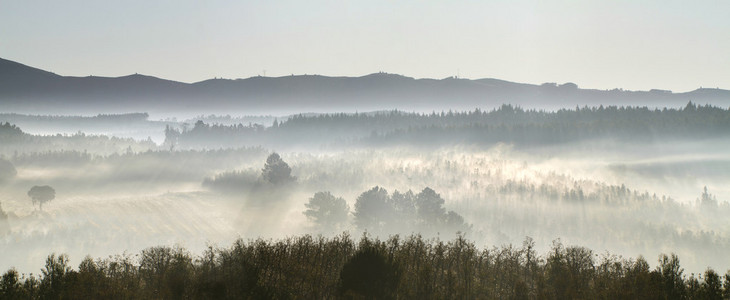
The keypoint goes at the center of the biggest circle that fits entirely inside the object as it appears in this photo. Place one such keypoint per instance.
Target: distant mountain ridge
(30, 90)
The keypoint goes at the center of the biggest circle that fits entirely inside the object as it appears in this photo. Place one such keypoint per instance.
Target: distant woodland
(506, 124)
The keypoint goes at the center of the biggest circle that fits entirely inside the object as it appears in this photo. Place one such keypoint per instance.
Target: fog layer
(627, 191)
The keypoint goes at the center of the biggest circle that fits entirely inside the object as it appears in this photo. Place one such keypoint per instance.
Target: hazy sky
(638, 45)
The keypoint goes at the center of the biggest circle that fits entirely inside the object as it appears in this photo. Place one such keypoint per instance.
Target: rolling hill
(25, 89)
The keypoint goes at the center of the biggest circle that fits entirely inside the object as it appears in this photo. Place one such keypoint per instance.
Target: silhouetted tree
(41, 194)
(641, 283)
(91, 281)
(429, 205)
(403, 205)
(694, 287)
(672, 274)
(54, 279)
(455, 222)
(276, 171)
(166, 268)
(369, 275)
(371, 209)
(580, 264)
(712, 286)
(432, 215)
(726, 290)
(10, 285)
(558, 274)
(327, 211)
(10, 132)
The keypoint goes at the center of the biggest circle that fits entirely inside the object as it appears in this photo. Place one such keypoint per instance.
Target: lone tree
(276, 171)
(327, 211)
(41, 194)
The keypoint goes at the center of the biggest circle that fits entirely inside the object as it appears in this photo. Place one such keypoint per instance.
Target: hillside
(27, 89)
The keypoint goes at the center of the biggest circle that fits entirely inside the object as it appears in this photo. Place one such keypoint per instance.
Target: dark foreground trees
(309, 267)
(369, 274)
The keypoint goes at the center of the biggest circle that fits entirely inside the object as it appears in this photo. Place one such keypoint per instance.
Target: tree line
(507, 124)
(16, 141)
(340, 267)
(91, 120)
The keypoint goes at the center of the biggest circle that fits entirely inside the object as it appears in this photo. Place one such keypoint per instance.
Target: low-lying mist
(604, 195)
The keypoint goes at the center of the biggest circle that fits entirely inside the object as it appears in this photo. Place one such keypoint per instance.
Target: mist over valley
(110, 171)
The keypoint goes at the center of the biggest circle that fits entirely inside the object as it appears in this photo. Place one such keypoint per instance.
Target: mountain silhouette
(28, 89)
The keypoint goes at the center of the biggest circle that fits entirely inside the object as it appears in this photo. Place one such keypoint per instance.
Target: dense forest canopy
(506, 124)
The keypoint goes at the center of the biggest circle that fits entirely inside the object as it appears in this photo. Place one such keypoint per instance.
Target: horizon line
(453, 77)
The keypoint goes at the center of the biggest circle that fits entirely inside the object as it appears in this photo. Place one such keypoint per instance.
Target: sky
(635, 45)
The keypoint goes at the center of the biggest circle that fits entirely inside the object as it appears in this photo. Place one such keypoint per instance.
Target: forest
(506, 124)
(603, 201)
(408, 267)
